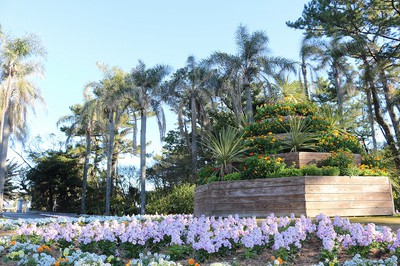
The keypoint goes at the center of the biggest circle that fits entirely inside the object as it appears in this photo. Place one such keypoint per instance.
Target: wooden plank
(253, 198)
(255, 183)
(259, 206)
(261, 191)
(351, 212)
(362, 180)
(348, 204)
(260, 214)
(349, 196)
(328, 189)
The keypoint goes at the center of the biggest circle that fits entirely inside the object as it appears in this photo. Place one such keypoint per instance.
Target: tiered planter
(304, 158)
(309, 195)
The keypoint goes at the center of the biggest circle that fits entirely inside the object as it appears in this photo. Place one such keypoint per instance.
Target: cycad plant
(298, 137)
(226, 147)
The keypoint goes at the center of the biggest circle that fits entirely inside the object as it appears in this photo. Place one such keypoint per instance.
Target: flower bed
(187, 240)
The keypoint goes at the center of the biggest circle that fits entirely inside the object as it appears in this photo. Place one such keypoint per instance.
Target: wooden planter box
(308, 195)
(303, 158)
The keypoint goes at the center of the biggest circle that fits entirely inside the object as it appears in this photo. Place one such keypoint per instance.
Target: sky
(78, 33)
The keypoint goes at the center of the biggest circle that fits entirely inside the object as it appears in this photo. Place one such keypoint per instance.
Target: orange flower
(191, 261)
(128, 263)
(57, 263)
(272, 257)
(197, 264)
(280, 261)
(13, 243)
(40, 249)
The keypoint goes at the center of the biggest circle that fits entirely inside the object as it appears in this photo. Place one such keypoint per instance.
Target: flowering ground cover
(187, 240)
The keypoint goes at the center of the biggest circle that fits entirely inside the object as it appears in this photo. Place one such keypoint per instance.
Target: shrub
(262, 166)
(333, 141)
(311, 170)
(178, 200)
(182, 199)
(330, 170)
(284, 108)
(343, 160)
(367, 170)
(374, 161)
(233, 176)
(263, 144)
(290, 171)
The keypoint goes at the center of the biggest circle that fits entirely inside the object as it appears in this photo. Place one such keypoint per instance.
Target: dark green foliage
(55, 182)
(173, 167)
(178, 200)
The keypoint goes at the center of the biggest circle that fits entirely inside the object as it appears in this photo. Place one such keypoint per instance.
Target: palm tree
(147, 91)
(250, 64)
(251, 47)
(334, 56)
(191, 86)
(308, 51)
(82, 122)
(109, 93)
(18, 93)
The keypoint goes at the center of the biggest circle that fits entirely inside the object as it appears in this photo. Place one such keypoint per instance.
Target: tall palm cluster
(354, 71)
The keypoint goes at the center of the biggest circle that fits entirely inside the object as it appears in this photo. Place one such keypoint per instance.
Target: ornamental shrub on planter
(263, 144)
(284, 109)
(262, 166)
(335, 141)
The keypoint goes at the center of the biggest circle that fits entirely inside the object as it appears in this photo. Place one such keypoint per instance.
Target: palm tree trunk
(3, 155)
(134, 141)
(110, 150)
(304, 73)
(85, 170)
(339, 91)
(249, 106)
(194, 136)
(371, 121)
(143, 125)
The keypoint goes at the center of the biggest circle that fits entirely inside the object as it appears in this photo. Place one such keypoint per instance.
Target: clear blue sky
(78, 33)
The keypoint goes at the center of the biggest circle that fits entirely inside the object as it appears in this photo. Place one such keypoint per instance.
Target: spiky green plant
(335, 120)
(298, 137)
(226, 148)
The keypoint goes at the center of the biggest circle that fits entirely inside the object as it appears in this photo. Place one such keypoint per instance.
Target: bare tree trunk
(385, 127)
(194, 136)
(110, 150)
(143, 122)
(390, 105)
(85, 170)
(371, 121)
(3, 155)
